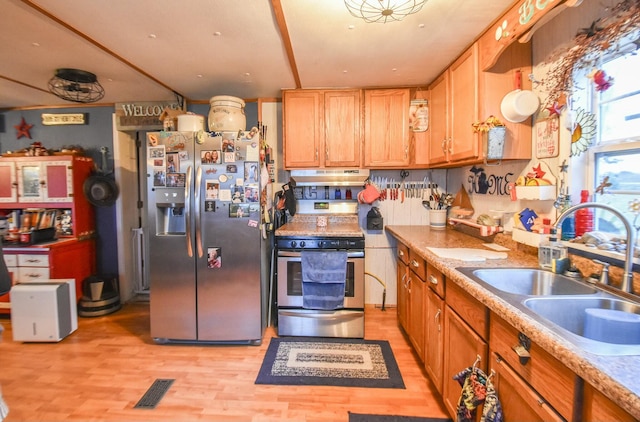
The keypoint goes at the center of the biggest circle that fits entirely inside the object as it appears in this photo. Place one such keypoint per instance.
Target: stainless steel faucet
(627, 279)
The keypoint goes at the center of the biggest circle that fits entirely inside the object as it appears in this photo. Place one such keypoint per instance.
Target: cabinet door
(416, 316)
(519, 401)
(464, 106)
(302, 120)
(386, 127)
(434, 337)
(461, 348)
(439, 120)
(342, 141)
(8, 183)
(58, 181)
(403, 298)
(45, 181)
(597, 407)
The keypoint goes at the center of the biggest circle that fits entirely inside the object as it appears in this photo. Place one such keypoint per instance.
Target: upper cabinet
(386, 127)
(464, 94)
(322, 128)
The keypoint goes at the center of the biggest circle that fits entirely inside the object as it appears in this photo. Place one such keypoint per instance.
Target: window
(615, 158)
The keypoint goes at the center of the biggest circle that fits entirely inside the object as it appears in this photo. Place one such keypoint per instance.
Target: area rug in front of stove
(330, 361)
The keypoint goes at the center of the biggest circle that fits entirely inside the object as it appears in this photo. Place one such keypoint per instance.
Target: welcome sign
(142, 115)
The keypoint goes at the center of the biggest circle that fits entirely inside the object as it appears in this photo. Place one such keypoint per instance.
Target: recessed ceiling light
(35, 44)
(351, 27)
(394, 69)
(421, 26)
(345, 71)
(217, 34)
(152, 36)
(199, 76)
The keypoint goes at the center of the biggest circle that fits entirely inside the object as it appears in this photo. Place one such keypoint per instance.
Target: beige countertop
(307, 225)
(617, 377)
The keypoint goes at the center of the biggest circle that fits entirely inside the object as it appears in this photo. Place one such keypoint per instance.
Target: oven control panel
(284, 243)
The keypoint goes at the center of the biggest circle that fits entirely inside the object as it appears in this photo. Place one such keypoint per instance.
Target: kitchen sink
(528, 281)
(602, 325)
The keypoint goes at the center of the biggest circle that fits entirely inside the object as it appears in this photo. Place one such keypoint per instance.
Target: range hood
(329, 177)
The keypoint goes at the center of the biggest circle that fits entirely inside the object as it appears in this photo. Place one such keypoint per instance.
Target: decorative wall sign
(547, 135)
(64, 119)
(143, 115)
(482, 183)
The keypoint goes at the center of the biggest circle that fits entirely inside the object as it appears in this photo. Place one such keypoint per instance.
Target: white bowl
(518, 105)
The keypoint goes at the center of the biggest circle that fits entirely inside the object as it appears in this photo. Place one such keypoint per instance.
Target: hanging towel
(473, 393)
(323, 279)
(492, 410)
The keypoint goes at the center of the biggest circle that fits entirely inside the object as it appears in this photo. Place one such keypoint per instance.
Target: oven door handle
(331, 315)
(292, 254)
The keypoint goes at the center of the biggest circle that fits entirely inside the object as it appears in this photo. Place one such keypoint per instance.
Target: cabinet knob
(415, 264)
(400, 253)
(433, 279)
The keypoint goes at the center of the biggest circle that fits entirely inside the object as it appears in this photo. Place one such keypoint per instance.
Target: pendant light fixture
(76, 85)
(383, 11)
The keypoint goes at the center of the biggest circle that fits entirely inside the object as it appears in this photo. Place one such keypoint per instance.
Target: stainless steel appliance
(293, 318)
(204, 239)
(326, 219)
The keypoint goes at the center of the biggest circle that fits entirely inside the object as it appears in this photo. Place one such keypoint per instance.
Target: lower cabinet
(597, 407)
(65, 259)
(550, 384)
(434, 326)
(519, 401)
(411, 290)
(462, 344)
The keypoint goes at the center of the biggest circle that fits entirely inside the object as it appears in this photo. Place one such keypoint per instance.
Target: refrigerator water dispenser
(170, 219)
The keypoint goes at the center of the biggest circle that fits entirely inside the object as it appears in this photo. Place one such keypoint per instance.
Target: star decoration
(564, 167)
(555, 109)
(23, 129)
(605, 184)
(539, 172)
(592, 30)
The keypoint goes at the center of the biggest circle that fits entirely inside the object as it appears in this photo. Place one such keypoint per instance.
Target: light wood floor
(103, 369)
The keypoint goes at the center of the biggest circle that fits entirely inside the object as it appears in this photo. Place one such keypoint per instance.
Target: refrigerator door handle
(197, 211)
(187, 211)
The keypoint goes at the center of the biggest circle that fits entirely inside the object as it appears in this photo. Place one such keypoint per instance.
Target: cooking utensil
(99, 188)
(518, 105)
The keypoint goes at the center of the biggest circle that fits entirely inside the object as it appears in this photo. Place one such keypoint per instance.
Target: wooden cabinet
(462, 346)
(552, 382)
(48, 182)
(411, 295)
(597, 407)
(67, 258)
(417, 290)
(434, 326)
(454, 107)
(322, 128)
(519, 401)
(386, 128)
(463, 95)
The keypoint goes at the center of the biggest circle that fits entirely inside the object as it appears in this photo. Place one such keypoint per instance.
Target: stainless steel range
(322, 225)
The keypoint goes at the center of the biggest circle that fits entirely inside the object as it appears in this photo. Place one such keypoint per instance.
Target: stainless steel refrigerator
(204, 239)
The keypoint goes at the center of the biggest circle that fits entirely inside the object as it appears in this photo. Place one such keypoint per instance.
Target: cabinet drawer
(11, 260)
(33, 260)
(519, 401)
(435, 280)
(547, 375)
(418, 265)
(469, 309)
(31, 274)
(403, 252)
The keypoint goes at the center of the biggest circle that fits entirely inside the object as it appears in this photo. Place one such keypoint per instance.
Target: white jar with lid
(227, 114)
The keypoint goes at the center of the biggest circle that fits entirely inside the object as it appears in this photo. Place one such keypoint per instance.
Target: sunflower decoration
(584, 130)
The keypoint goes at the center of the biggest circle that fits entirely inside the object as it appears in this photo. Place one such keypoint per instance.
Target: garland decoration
(589, 44)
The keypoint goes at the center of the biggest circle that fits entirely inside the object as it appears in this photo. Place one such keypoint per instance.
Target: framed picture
(547, 137)
(173, 162)
(212, 189)
(175, 180)
(159, 178)
(210, 157)
(239, 211)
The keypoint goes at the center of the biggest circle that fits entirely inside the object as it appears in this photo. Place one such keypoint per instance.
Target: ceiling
(153, 50)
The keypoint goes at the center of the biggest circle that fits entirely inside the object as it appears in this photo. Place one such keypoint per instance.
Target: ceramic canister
(227, 114)
(190, 123)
